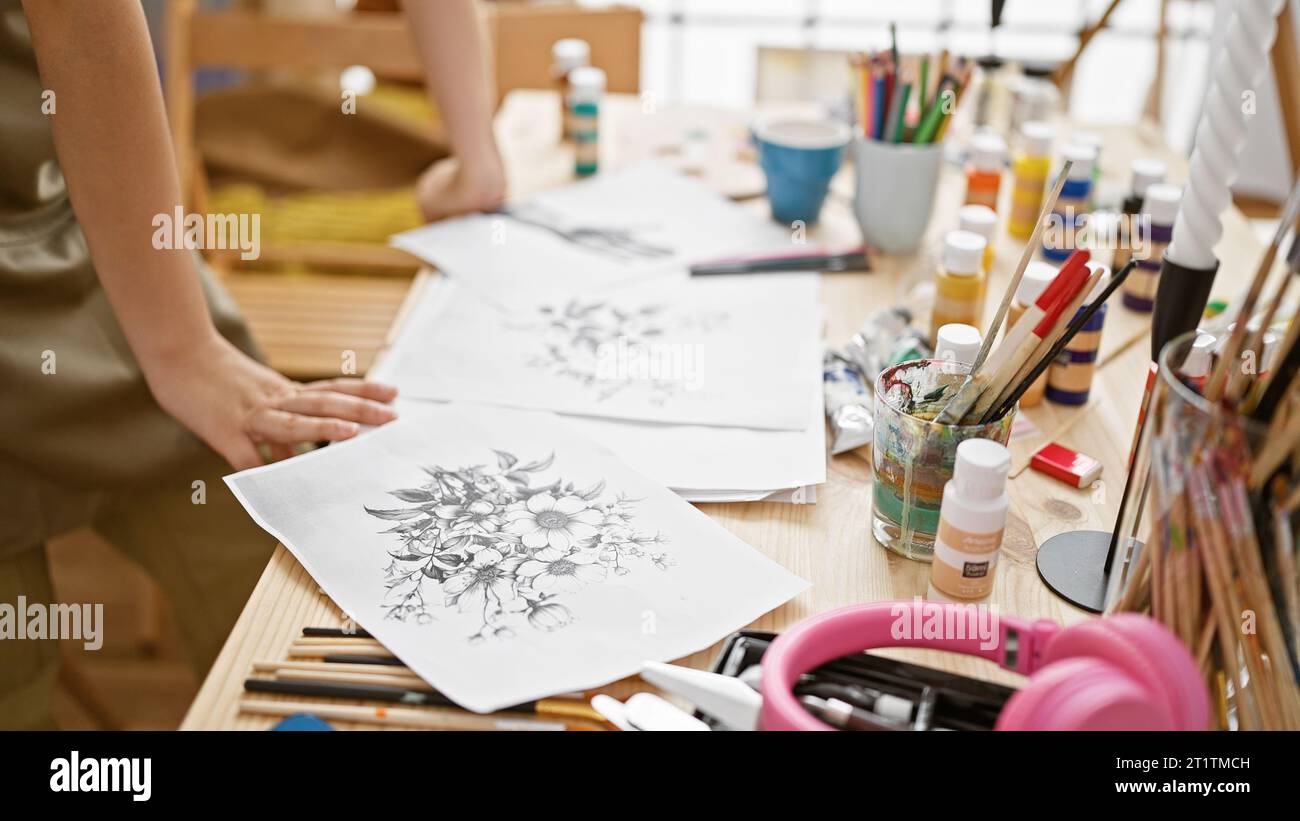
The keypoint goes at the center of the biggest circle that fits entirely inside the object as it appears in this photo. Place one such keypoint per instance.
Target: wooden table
(828, 543)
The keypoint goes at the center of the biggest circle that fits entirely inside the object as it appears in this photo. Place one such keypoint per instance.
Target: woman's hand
(449, 188)
(234, 403)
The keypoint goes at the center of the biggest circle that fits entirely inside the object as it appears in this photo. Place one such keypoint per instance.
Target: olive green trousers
(206, 556)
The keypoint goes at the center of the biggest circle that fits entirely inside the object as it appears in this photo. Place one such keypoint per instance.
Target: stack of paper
(709, 385)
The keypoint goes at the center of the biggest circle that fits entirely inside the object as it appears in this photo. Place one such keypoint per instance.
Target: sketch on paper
(619, 243)
(483, 534)
(487, 540)
(608, 348)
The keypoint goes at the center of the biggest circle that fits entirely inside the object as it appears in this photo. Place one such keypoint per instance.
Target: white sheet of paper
(520, 560)
(730, 464)
(704, 351)
(643, 221)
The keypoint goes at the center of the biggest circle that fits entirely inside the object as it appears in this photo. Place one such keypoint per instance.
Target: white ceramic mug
(895, 192)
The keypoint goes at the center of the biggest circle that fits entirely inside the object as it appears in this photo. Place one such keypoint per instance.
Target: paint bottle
(566, 55)
(1199, 360)
(1146, 173)
(586, 87)
(972, 517)
(988, 153)
(959, 283)
(1159, 210)
(1038, 275)
(1060, 238)
(980, 219)
(957, 343)
(1094, 141)
(1029, 172)
(1069, 379)
(1257, 362)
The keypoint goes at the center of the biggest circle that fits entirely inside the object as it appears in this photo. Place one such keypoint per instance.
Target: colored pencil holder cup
(799, 157)
(894, 198)
(913, 457)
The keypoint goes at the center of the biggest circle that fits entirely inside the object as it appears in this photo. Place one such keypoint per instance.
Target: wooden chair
(311, 325)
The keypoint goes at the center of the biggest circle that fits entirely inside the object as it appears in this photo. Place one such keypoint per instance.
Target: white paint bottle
(972, 517)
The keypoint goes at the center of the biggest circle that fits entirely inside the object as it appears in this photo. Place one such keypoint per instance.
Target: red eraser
(1069, 466)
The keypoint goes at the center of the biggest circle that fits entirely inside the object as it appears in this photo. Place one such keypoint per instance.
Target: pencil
(555, 708)
(902, 111)
(929, 124)
(884, 97)
(923, 86)
(352, 658)
(428, 718)
(358, 649)
(335, 632)
(893, 43)
(367, 668)
(350, 641)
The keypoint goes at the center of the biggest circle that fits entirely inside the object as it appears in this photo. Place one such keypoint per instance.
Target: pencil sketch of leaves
(498, 542)
(609, 349)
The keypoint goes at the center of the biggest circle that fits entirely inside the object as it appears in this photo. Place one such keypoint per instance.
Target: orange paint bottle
(988, 154)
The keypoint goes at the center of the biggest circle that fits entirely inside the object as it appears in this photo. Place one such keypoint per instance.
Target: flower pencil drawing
(609, 348)
(486, 540)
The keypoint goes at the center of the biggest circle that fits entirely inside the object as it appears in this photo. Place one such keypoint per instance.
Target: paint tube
(848, 404)
(878, 341)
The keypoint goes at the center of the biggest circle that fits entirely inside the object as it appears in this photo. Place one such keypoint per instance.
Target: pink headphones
(1122, 672)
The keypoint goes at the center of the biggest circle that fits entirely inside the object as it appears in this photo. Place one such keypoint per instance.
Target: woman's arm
(458, 71)
(116, 155)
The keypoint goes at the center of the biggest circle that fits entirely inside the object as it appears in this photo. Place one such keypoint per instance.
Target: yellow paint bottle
(1029, 171)
(959, 283)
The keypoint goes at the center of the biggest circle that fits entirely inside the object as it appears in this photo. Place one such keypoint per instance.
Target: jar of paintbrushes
(1206, 537)
(924, 409)
(913, 455)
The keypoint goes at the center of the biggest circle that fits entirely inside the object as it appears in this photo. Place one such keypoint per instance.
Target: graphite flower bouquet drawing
(483, 539)
(609, 348)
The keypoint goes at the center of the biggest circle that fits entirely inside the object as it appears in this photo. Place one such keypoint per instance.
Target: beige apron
(82, 441)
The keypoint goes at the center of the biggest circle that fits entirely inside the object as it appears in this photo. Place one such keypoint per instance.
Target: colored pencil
(335, 632)
(903, 94)
(428, 718)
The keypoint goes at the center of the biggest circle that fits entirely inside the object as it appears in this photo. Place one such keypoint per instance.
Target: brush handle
(1080, 319)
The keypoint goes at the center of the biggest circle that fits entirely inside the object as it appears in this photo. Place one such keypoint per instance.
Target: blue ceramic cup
(799, 157)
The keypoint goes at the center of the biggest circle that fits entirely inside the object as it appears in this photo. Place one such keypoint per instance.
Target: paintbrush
(1018, 347)
(967, 394)
(1021, 342)
(1042, 364)
(1215, 386)
(1052, 327)
(1265, 393)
